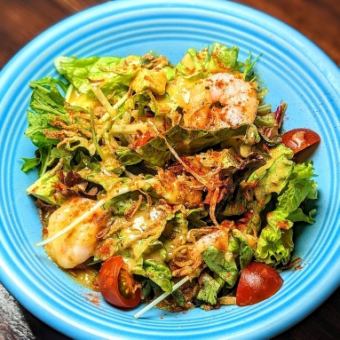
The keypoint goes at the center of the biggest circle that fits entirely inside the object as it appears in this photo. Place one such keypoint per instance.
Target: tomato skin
(300, 139)
(108, 281)
(258, 282)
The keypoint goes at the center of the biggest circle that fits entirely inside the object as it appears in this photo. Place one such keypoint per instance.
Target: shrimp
(78, 245)
(222, 100)
(218, 239)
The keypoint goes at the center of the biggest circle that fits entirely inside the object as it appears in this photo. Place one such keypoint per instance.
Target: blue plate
(292, 67)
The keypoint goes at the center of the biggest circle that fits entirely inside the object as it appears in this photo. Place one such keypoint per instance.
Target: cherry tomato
(300, 139)
(117, 285)
(258, 282)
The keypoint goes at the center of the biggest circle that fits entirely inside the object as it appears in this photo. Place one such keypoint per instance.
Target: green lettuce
(135, 235)
(152, 80)
(127, 156)
(185, 141)
(272, 177)
(196, 217)
(299, 215)
(120, 205)
(109, 73)
(158, 273)
(105, 179)
(248, 68)
(29, 164)
(175, 233)
(210, 288)
(222, 264)
(266, 120)
(45, 187)
(299, 188)
(274, 246)
(216, 58)
(46, 109)
(275, 243)
(239, 246)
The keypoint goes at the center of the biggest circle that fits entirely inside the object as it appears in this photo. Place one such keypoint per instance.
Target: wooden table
(21, 20)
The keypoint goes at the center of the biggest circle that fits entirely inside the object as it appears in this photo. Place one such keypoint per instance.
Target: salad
(167, 183)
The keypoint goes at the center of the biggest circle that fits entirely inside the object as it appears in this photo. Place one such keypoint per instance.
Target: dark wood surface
(21, 20)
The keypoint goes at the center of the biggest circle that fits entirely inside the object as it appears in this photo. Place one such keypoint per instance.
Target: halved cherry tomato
(300, 139)
(117, 284)
(258, 282)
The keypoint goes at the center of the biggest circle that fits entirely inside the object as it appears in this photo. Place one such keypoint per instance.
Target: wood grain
(22, 20)
(319, 20)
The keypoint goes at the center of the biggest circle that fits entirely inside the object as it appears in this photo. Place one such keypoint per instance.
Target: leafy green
(275, 242)
(222, 264)
(178, 297)
(158, 273)
(210, 288)
(156, 251)
(185, 141)
(239, 246)
(274, 245)
(44, 187)
(136, 235)
(120, 205)
(195, 217)
(216, 58)
(109, 73)
(175, 232)
(127, 156)
(46, 109)
(266, 120)
(299, 188)
(272, 177)
(152, 80)
(248, 68)
(47, 158)
(299, 216)
(29, 164)
(106, 180)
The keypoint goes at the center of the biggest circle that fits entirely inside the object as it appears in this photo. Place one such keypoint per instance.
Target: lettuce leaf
(185, 141)
(275, 243)
(299, 188)
(210, 288)
(222, 264)
(274, 246)
(175, 233)
(46, 108)
(248, 68)
(120, 205)
(158, 273)
(195, 217)
(153, 80)
(127, 156)
(29, 164)
(239, 246)
(109, 73)
(135, 235)
(215, 58)
(298, 215)
(105, 179)
(44, 187)
(267, 120)
(273, 176)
